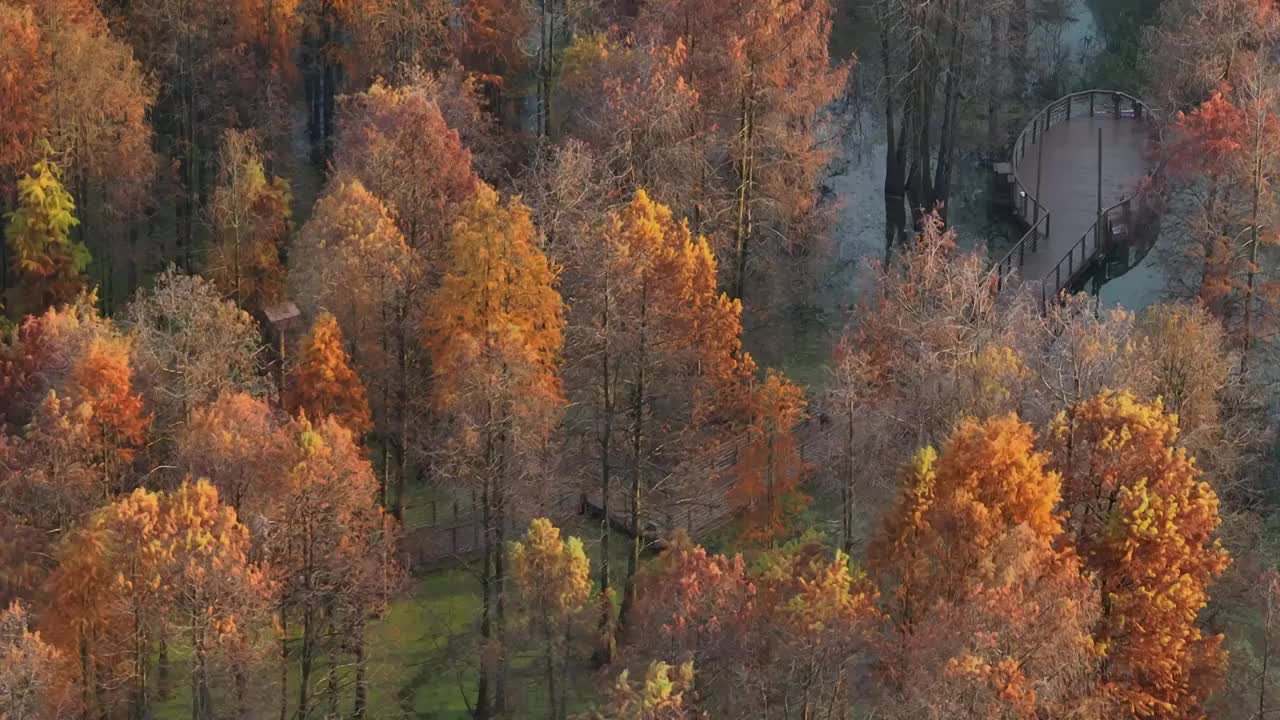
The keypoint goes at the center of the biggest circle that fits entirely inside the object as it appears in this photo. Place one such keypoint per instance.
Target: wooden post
(1039, 172)
(1097, 237)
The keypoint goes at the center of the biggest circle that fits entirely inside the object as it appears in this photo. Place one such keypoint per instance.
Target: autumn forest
(639, 359)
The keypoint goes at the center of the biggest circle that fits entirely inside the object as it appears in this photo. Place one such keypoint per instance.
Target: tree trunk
(331, 676)
(162, 667)
(483, 709)
(554, 713)
(847, 494)
(605, 651)
(362, 690)
(402, 416)
(499, 574)
(637, 467)
(284, 663)
(746, 179)
(895, 228)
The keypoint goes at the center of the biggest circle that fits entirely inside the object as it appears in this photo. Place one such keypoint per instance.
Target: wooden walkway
(1056, 179)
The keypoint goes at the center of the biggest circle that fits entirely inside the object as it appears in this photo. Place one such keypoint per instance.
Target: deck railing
(1027, 205)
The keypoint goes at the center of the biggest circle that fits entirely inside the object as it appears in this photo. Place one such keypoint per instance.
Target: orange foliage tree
(238, 442)
(770, 470)
(1229, 143)
(763, 65)
(147, 564)
(1144, 524)
(663, 351)
(24, 79)
(35, 678)
(988, 605)
(103, 380)
(322, 382)
(214, 593)
(351, 260)
(68, 385)
(495, 334)
(332, 555)
(491, 34)
(793, 630)
(396, 142)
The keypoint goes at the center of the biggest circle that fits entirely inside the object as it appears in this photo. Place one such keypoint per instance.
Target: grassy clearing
(422, 654)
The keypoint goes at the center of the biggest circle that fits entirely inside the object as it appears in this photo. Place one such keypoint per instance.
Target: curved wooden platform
(1056, 170)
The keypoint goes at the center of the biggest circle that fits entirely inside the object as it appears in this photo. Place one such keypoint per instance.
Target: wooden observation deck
(1078, 167)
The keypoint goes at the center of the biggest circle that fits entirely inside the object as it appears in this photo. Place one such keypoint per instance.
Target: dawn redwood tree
(659, 696)
(990, 607)
(351, 260)
(322, 382)
(928, 345)
(239, 443)
(102, 380)
(764, 66)
(1226, 155)
(553, 577)
(495, 335)
(24, 81)
(990, 474)
(35, 677)
(331, 553)
(662, 348)
(928, 69)
(48, 262)
(70, 400)
(195, 52)
(249, 213)
(770, 469)
(100, 107)
(389, 38)
(1145, 526)
(395, 141)
(633, 107)
(189, 346)
(815, 626)
(789, 634)
(492, 31)
(214, 592)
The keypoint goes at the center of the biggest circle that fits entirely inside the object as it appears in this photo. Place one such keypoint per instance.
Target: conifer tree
(495, 336)
(323, 382)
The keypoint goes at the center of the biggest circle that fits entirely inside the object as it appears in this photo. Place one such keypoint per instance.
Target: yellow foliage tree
(554, 579)
(495, 336)
(1144, 524)
(660, 697)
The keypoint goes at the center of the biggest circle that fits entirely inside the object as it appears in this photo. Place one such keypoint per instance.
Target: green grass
(422, 654)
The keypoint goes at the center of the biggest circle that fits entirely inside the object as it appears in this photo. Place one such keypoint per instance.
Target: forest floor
(423, 654)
